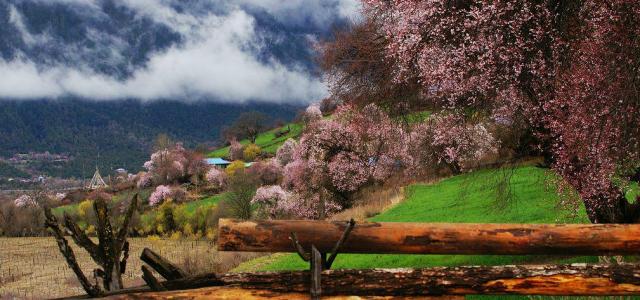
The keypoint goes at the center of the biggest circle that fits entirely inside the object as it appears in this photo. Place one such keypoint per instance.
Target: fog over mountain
(100, 78)
(225, 51)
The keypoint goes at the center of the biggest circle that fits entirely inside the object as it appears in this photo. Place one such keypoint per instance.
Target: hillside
(267, 141)
(113, 134)
(467, 198)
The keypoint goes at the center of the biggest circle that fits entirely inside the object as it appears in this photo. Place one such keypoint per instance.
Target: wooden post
(432, 238)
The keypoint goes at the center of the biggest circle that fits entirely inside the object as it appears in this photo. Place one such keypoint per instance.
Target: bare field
(33, 268)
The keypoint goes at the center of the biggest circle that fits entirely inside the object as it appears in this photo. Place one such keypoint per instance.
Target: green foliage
(242, 188)
(251, 151)
(466, 199)
(7, 170)
(267, 141)
(235, 167)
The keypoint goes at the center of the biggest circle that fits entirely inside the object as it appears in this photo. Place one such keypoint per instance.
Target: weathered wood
(576, 279)
(51, 222)
(164, 267)
(225, 293)
(432, 238)
(151, 280)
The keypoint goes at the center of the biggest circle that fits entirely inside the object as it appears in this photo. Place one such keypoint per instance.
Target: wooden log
(575, 279)
(164, 267)
(225, 293)
(151, 280)
(432, 238)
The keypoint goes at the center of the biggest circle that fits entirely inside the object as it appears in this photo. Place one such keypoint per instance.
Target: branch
(122, 234)
(81, 239)
(52, 223)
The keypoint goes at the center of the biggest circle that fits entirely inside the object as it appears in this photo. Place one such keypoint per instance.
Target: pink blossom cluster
(271, 200)
(312, 113)
(236, 150)
(145, 180)
(160, 194)
(173, 165)
(25, 201)
(216, 177)
(284, 154)
(339, 156)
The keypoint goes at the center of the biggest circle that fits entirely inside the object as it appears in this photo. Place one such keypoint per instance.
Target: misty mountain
(99, 79)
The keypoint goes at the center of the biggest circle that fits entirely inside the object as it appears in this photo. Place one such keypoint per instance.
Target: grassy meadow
(468, 198)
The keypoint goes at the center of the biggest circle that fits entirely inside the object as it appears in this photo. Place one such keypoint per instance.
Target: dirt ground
(33, 268)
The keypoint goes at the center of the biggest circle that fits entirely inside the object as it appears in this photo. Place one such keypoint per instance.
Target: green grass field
(469, 198)
(267, 141)
(190, 207)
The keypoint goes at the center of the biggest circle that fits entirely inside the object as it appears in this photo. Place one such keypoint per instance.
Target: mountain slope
(114, 134)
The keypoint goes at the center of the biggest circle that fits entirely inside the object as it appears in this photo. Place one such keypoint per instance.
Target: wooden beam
(151, 280)
(164, 267)
(575, 279)
(225, 293)
(432, 238)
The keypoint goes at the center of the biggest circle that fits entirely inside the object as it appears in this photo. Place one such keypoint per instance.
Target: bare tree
(250, 124)
(111, 252)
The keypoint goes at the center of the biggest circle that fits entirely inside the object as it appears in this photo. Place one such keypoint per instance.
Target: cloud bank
(217, 58)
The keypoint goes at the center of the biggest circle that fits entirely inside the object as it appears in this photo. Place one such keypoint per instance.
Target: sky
(218, 56)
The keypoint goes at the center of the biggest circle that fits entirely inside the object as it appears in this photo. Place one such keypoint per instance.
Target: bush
(268, 173)
(234, 167)
(251, 151)
(242, 188)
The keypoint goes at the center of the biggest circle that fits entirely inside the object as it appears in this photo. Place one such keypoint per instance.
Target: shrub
(251, 151)
(242, 188)
(234, 167)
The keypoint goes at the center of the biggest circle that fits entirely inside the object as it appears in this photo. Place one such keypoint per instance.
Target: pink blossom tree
(450, 141)
(216, 177)
(569, 69)
(236, 150)
(284, 154)
(312, 113)
(159, 195)
(25, 201)
(337, 157)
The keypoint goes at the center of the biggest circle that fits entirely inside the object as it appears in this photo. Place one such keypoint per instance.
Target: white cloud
(216, 59)
(212, 63)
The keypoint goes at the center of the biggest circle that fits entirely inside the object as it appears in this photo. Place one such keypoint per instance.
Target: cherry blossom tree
(450, 141)
(312, 113)
(284, 154)
(570, 69)
(216, 177)
(25, 201)
(161, 193)
(236, 150)
(337, 157)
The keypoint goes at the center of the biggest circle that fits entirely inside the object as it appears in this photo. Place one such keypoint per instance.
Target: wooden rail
(432, 238)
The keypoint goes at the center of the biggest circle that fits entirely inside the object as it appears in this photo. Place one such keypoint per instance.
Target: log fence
(318, 242)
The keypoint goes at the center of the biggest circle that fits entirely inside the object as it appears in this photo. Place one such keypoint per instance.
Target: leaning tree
(110, 253)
